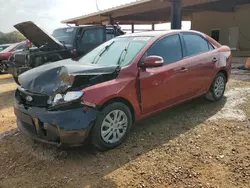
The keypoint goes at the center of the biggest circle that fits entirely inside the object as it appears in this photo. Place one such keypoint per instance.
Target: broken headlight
(68, 97)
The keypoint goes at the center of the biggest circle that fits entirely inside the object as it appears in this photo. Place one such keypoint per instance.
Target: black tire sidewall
(212, 86)
(97, 140)
(2, 70)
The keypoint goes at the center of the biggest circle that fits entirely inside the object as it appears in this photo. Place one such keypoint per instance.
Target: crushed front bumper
(69, 127)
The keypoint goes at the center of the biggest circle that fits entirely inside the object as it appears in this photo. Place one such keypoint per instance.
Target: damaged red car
(128, 78)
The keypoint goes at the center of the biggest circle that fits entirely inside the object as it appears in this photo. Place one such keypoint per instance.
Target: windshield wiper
(101, 53)
(120, 60)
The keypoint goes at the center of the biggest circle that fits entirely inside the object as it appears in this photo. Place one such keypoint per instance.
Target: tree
(11, 37)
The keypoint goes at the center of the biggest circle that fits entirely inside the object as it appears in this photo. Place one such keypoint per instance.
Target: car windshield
(9, 48)
(65, 35)
(2, 47)
(118, 51)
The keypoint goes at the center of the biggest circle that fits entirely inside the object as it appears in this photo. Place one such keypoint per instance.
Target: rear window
(65, 35)
(195, 44)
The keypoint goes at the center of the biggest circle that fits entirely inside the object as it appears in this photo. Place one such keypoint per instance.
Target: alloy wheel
(114, 126)
(219, 86)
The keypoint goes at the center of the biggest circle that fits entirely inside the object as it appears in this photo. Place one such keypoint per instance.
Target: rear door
(90, 39)
(202, 57)
(166, 85)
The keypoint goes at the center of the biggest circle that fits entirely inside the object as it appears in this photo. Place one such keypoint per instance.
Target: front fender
(118, 88)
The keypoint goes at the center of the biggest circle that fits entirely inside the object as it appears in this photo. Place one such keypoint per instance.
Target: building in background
(225, 20)
(229, 28)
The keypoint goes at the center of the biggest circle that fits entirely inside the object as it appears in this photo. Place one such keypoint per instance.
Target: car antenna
(68, 25)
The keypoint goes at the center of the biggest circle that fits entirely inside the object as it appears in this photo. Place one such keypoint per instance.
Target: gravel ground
(196, 144)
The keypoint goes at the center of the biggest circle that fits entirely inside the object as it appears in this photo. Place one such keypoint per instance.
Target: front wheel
(112, 126)
(217, 88)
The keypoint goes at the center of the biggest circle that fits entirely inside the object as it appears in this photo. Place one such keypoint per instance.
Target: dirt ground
(196, 144)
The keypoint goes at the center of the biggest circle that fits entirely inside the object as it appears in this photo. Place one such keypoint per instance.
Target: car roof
(159, 33)
(80, 26)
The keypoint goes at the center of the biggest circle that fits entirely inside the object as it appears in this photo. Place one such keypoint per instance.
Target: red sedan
(123, 80)
(7, 52)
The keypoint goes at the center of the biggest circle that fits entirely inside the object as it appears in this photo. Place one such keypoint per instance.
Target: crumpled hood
(53, 78)
(37, 36)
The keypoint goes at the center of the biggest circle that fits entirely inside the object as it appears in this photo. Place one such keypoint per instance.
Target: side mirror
(153, 61)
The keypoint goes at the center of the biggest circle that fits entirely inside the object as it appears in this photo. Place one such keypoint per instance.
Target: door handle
(183, 69)
(214, 60)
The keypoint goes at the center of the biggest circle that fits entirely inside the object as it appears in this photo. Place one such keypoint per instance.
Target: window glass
(195, 44)
(110, 34)
(169, 48)
(20, 47)
(210, 46)
(121, 50)
(93, 36)
(65, 35)
(2, 47)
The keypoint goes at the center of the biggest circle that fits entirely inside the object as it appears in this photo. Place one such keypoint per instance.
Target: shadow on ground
(88, 167)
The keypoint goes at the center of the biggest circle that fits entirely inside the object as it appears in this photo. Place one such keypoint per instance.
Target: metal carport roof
(153, 11)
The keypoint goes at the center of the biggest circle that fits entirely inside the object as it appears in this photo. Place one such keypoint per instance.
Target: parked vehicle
(7, 52)
(123, 80)
(69, 42)
(3, 46)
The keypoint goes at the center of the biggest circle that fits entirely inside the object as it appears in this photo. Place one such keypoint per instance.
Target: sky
(48, 14)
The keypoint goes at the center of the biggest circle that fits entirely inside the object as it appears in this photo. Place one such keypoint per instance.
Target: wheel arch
(121, 100)
(224, 72)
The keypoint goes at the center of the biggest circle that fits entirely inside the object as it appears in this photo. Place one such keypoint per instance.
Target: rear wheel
(112, 126)
(217, 88)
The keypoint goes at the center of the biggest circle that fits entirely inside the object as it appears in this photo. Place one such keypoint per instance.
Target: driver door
(166, 85)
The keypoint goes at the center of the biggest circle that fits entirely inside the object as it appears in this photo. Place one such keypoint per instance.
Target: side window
(210, 46)
(169, 48)
(93, 36)
(195, 44)
(21, 47)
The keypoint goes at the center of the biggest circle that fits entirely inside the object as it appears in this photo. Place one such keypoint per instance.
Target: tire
(217, 88)
(2, 68)
(104, 127)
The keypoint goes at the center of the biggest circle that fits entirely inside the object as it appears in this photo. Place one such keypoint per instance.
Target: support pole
(176, 15)
(111, 21)
(132, 28)
(153, 26)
